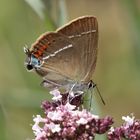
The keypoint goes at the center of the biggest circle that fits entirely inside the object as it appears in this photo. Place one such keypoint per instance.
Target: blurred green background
(118, 67)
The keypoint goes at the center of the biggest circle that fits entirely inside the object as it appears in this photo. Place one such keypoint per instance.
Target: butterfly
(67, 55)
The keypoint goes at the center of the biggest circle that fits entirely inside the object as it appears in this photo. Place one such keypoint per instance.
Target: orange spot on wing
(36, 55)
(40, 52)
(40, 48)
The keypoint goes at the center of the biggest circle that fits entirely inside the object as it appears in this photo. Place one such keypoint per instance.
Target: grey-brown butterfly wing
(72, 51)
(84, 33)
(59, 58)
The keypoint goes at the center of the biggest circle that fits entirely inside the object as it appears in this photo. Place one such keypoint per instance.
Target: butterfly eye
(29, 67)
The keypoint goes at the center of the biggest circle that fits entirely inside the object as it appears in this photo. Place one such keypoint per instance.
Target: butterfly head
(31, 61)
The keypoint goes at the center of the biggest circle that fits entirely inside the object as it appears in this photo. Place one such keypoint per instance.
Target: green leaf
(62, 13)
(38, 7)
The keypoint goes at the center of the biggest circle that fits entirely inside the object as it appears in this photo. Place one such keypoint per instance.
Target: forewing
(71, 51)
(59, 57)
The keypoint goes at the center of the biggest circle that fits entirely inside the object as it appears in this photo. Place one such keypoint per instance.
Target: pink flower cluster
(64, 120)
(130, 130)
